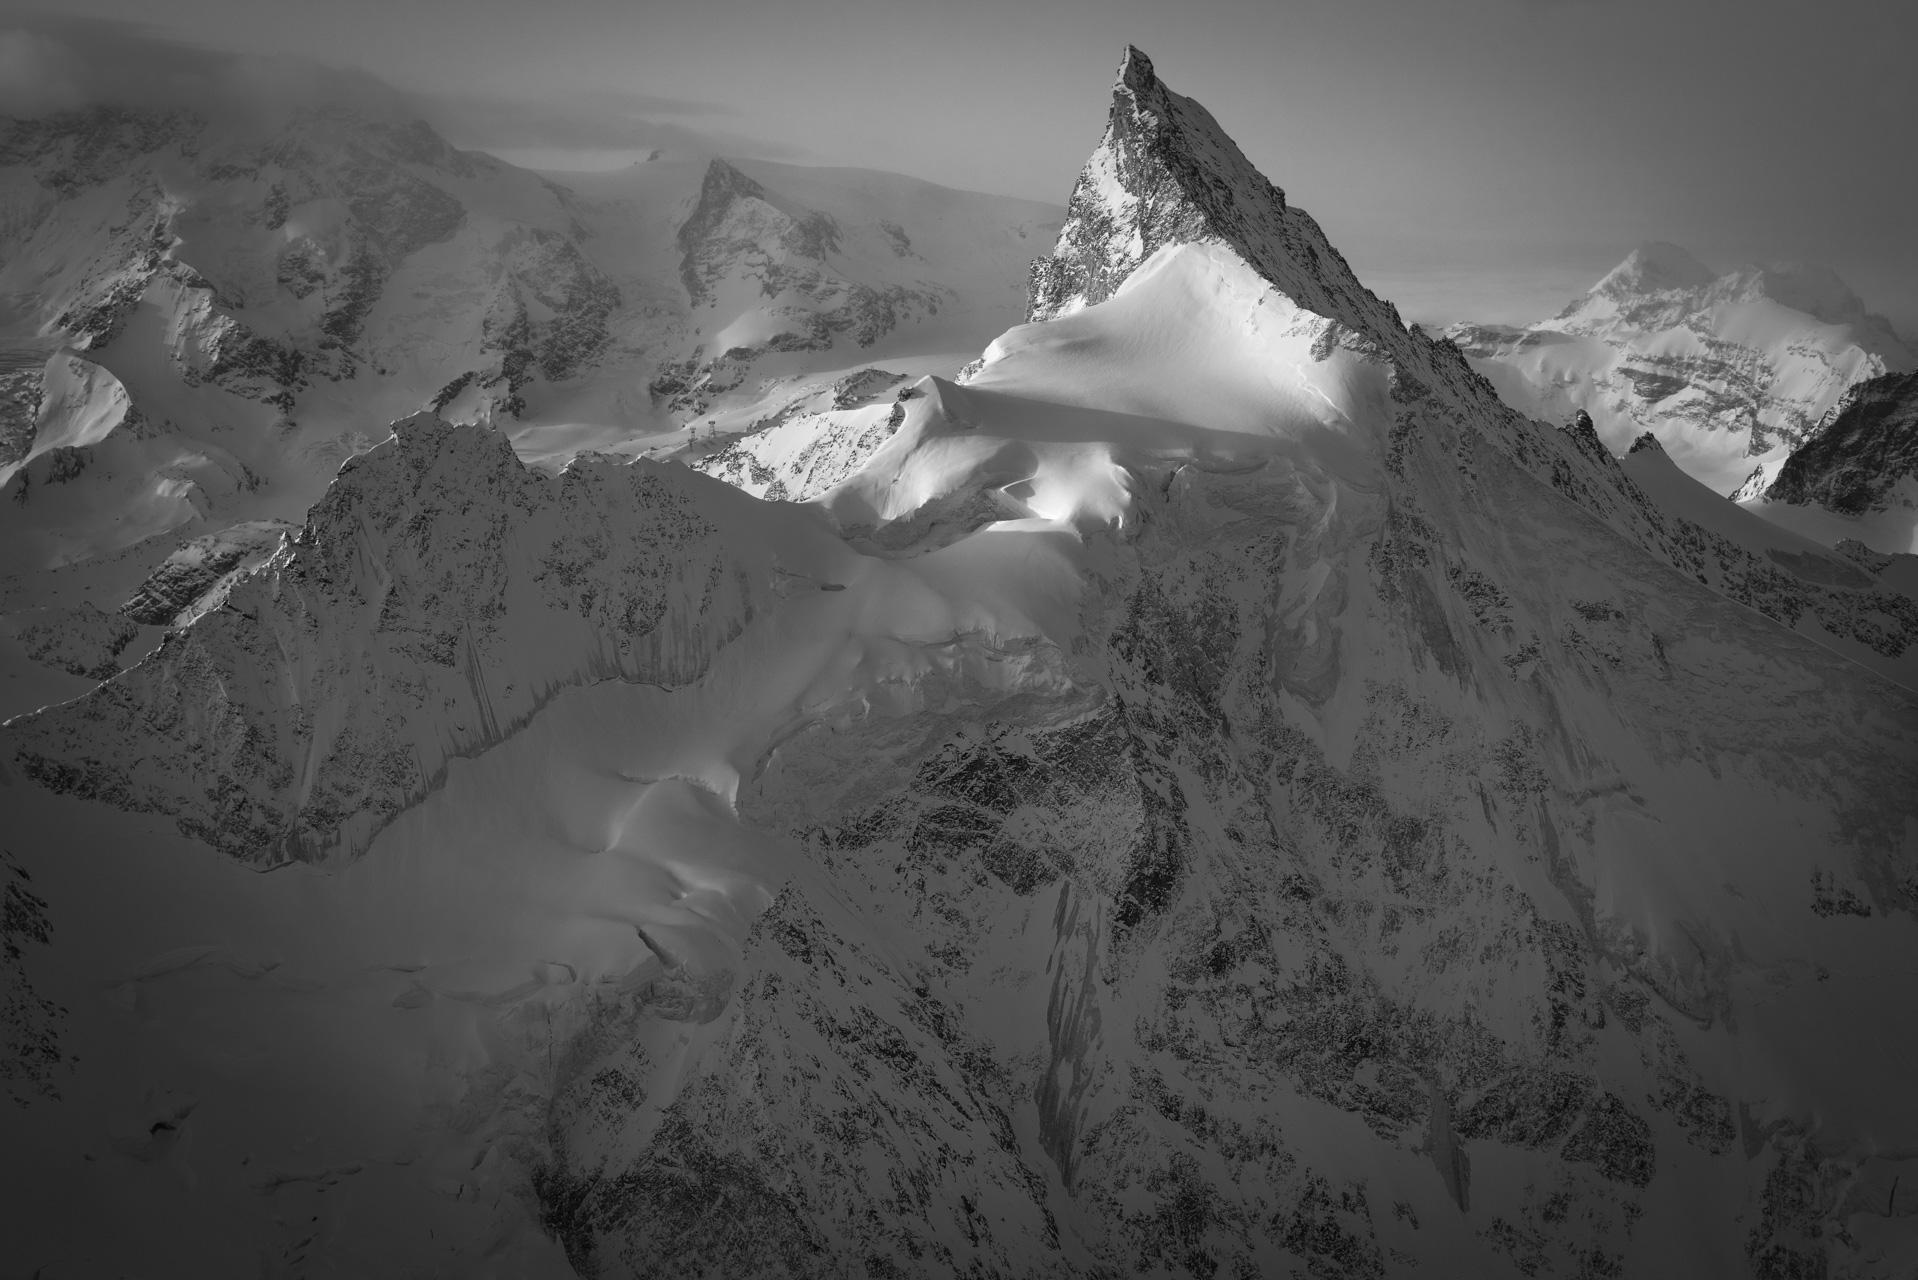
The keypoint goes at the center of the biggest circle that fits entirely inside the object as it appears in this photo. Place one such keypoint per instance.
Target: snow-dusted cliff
(1729, 372)
(1856, 475)
(1216, 792)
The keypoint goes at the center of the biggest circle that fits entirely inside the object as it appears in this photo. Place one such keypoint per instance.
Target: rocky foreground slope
(1214, 793)
(1730, 372)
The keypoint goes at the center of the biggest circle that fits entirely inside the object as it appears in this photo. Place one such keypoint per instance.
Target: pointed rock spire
(1167, 174)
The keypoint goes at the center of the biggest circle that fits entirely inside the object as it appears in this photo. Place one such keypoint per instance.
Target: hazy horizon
(1480, 160)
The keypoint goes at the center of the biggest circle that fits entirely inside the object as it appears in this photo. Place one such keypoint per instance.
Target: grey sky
(1481, 158)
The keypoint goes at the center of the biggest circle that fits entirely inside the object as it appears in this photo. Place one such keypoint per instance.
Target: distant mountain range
(1729, 372)
(209, 316)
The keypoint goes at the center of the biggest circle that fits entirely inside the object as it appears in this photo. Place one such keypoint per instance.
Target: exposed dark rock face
(81, 641)
(82, 149)
(19, 404)
(196, 577)
(1862, 449)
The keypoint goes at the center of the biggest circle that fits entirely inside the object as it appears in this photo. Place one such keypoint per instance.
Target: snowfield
(1210, 789)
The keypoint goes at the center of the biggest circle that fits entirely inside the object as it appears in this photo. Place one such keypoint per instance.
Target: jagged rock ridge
(1168, 174)
(1859, 453)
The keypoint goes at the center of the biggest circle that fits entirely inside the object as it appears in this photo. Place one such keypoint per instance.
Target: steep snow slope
(1856, 475)
(1729, 372)
(1215, 793)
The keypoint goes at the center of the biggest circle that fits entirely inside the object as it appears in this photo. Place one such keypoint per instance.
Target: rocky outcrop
(1859, 454)
(195, 579)
(20, 396)
(1166, 173)
(81, 641)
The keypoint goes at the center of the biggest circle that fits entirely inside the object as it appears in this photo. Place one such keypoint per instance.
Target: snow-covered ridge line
(437, 596)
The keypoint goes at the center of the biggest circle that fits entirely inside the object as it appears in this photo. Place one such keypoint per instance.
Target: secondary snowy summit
(1729, 372)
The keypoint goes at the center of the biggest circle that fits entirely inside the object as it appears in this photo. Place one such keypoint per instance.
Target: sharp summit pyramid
(1213, 792)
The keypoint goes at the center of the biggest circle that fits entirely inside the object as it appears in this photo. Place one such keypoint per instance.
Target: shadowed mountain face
(1213, 792)
(1856, 476)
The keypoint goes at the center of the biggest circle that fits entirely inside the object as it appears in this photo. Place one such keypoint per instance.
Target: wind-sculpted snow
(1730, 372)
(1216, 793)
(434, 600)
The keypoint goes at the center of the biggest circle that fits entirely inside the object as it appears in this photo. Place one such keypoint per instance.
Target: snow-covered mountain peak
(1167, 173)
(1654, 267)
(1730, 371)
(738, 217)
(1659, 286)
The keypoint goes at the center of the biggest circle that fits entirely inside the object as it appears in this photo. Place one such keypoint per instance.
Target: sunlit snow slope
(1211, 792)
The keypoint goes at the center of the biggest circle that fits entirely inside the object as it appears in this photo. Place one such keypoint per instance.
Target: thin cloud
(51, 64)
(588, 122)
